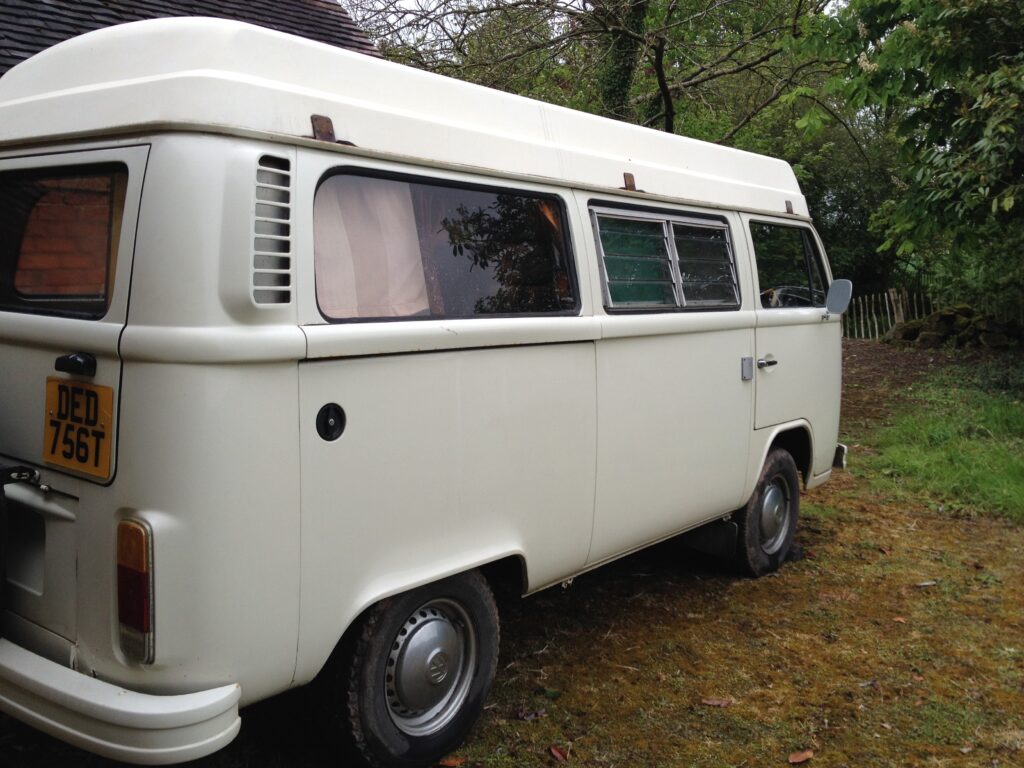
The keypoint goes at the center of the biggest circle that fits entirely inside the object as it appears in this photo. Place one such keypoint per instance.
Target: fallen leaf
(885, 550)
(527, 715)
(801, 757)
(899, 620)
(452, 762)
(713, 702)
(559, 754)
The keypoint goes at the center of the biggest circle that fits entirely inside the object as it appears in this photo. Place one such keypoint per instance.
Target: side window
(789, 268)
(59, 231)
(397, 248)
(666, 262)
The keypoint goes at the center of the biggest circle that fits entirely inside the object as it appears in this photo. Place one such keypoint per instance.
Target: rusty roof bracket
(323, 128)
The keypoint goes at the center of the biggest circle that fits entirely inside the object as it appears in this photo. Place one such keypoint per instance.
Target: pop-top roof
(211, 74)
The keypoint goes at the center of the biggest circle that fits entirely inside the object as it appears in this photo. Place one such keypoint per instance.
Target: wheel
(768, 522)
(420, 671)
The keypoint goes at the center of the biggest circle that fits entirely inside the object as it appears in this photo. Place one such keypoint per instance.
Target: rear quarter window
(59, 230)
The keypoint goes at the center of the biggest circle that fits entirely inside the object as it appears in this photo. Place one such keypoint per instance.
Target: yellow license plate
(79, 426)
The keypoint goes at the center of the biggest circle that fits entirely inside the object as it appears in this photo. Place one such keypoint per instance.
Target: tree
(950, 77)
(643, 61)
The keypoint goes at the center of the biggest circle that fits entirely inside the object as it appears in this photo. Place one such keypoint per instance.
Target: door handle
(763, 363)
(80, 363)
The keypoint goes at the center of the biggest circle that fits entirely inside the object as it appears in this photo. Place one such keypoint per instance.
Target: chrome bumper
(111, 721)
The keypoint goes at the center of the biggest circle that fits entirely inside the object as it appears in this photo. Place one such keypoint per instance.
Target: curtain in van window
(367, 250)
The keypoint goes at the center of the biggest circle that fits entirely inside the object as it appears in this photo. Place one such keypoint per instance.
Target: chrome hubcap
(774, 517)
(430, 667)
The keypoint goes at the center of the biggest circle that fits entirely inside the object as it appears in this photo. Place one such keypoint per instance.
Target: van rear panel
(67, 230)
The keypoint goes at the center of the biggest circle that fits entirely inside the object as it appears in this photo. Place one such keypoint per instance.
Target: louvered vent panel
(272, 244)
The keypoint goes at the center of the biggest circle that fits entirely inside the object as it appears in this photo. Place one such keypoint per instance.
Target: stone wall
(960, 326)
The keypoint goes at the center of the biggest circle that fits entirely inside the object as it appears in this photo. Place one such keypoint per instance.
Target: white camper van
(301, 349)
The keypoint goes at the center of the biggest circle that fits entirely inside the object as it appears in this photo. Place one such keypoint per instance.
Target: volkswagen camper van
(302, 350)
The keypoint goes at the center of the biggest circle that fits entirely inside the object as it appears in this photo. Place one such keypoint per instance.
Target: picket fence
(872, 315)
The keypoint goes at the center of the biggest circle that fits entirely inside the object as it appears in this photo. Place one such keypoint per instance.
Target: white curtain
(366, 249)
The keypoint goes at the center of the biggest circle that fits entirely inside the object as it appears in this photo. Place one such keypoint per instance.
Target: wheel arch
(506, 574)
(796, 437)
(797, 440)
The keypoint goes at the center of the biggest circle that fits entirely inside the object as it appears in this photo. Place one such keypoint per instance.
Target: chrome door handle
(762, 363)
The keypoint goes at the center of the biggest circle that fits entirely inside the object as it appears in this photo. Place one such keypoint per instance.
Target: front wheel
(420, 671)
(768, 522)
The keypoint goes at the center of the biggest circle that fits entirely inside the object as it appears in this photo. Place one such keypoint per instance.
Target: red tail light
(135, 590)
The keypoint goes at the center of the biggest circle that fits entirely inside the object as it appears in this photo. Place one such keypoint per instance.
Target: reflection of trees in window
(518, 240)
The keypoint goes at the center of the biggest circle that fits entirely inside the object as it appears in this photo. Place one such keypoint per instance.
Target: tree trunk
(625, 21)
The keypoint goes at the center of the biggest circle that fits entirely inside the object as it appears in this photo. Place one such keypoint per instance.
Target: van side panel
(448, 460)
(674, 422)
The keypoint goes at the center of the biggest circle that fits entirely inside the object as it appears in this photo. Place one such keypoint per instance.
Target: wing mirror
(838, 298)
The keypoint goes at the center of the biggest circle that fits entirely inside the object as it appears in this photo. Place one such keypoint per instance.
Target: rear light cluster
(135, 590)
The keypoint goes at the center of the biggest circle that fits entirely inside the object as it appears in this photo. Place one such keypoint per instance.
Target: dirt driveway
(898, 639)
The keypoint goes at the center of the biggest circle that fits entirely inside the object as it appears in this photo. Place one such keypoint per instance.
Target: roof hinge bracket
(323, 130)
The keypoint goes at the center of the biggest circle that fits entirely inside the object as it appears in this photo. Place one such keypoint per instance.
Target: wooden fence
(871, 316)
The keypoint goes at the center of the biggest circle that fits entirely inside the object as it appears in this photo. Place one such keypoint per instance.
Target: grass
(961, 441)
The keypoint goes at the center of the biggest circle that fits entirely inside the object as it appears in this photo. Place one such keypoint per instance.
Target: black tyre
(768, 522)
(420, 670)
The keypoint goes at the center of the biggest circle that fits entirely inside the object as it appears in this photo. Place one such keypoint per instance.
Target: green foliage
(950, 77)
(964, 443)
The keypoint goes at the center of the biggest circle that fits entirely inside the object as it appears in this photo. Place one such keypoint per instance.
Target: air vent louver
(272, 245)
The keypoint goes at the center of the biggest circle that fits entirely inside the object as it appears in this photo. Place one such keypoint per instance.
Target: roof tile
(30, 26)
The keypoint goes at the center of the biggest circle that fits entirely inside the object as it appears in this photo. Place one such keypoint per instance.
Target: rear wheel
(420, 671)
(768, 523)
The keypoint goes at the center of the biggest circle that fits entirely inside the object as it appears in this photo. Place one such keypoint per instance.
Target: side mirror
(838, 298)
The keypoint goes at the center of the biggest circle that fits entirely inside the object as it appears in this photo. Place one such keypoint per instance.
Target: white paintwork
(562, 442)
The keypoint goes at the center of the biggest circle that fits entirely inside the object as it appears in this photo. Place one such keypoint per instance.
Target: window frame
(813, 252)
(75, 306)
(667, 218)
(557, 200)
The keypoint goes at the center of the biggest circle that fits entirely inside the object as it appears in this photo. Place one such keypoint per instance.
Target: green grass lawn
(961, 439)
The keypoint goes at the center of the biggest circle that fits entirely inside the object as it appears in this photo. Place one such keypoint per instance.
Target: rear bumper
(111, 721)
